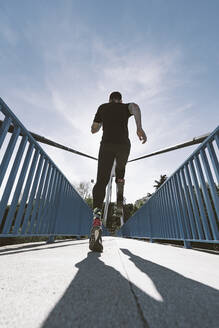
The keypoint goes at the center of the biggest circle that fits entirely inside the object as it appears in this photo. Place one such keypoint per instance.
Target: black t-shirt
(114, 117)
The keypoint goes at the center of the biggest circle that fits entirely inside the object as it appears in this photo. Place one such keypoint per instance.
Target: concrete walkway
(131, 284)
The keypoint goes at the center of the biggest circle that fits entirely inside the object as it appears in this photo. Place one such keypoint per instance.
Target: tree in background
(140, 202)
(84, 190)
(129, 210)
(158, 183)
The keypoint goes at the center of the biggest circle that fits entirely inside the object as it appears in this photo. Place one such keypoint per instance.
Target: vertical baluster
(58, 211)
(178, 210)
(4, 129)
(183, 207)
(207, 199)
(8, 153)
(150, 220)
(159, 222)
(217, 139)
(156, 215)
(172, 214)
(162, 221)
(211, 183)
(200, 203)
(60, 225)
(173, 203)
(194, 206)
(163, 209)
(25, 194)
(188, 202)
(43, 198)
(168, 216)
(144, 229)
(213, 159)
(31, 198)
(17, 192)
(11, 178)
(34, 221)
(54, 203)
(48, 203)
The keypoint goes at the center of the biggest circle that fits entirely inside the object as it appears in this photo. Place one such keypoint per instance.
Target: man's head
(115, 97)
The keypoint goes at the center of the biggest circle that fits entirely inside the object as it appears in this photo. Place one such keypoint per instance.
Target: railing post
(51, 239)
(56, 209)
(187, 244)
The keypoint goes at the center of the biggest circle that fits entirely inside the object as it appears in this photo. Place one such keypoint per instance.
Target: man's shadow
(99, 296)
(186, 302)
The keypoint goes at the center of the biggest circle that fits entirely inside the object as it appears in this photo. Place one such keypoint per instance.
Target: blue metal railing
(186, 206)
(43, 202)
(37, 199)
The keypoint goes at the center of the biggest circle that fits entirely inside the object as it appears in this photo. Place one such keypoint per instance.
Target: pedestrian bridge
(136, 281)
(131, 284)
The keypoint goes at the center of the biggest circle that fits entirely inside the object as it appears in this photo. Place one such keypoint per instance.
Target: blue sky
(59, 60)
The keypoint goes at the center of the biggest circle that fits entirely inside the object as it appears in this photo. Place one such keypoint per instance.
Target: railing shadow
(201, 248)
(32, 248)
(100, 296)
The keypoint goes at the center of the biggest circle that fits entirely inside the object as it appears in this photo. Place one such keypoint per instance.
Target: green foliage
(129, 210)
(83, 188)
(140, 202)
(89, 201)
(159, 182)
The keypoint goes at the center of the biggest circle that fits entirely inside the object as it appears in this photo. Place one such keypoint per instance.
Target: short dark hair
(116, 95)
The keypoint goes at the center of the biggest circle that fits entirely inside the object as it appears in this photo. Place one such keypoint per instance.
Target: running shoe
(95, 241)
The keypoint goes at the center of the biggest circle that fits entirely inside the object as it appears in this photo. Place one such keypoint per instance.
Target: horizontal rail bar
(49, 142)
(41, 139)
(194, 141)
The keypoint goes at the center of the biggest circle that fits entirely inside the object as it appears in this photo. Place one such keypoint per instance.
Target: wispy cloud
(76, 76)
(9, 35)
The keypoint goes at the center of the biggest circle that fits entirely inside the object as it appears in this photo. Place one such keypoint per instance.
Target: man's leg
(105, 163)
(121, 161)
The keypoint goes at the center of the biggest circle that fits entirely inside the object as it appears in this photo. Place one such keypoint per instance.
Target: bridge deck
(131, 284)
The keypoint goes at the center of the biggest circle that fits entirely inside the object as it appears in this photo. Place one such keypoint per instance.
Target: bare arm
(135, 110)
(95, 127)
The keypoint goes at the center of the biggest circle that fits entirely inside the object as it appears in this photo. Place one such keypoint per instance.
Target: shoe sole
(95, 242)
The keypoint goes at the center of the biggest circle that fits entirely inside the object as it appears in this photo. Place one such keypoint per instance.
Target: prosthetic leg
(118, 211)
(119, 195)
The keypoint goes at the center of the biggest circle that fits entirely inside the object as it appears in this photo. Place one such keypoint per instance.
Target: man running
(113, 117)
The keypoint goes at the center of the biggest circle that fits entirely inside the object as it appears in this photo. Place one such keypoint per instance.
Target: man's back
(114, 118)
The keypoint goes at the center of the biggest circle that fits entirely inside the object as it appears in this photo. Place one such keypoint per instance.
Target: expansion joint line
(143, 319)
